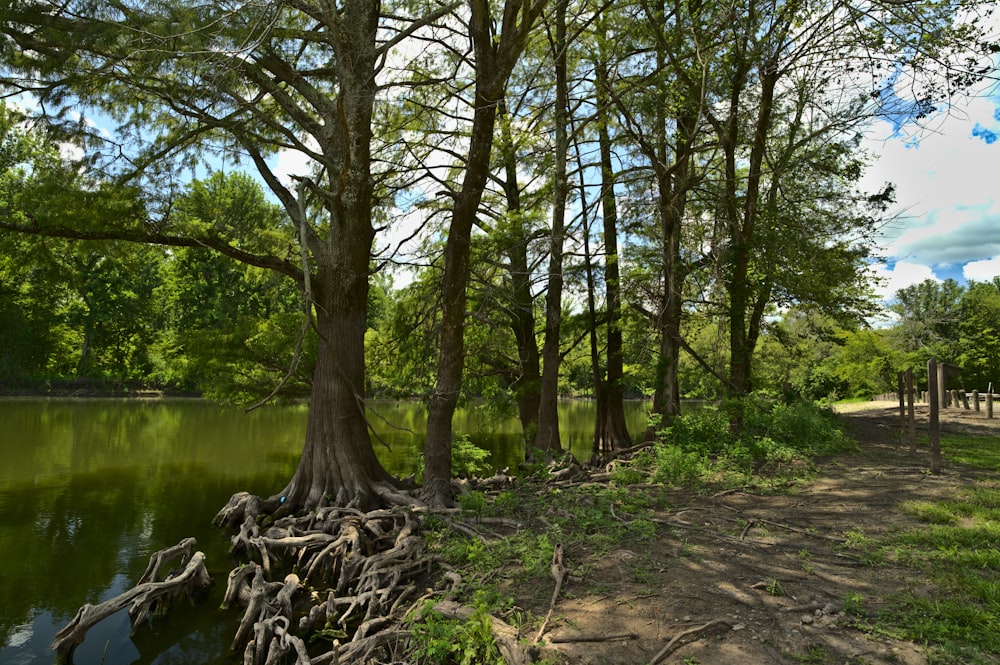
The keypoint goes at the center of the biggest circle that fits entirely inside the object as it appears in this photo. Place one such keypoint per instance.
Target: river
(90, 488)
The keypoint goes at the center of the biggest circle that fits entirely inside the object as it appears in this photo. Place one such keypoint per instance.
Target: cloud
(898, 276)
(982, 271)
(292, 163)
(946, 186)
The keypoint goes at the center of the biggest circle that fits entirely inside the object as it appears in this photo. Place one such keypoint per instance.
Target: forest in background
(93, 316)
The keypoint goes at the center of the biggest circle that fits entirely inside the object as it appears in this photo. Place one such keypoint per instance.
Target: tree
(230, 329)
(253, 78)
(547, 437)
(495, 56)
(979, 335)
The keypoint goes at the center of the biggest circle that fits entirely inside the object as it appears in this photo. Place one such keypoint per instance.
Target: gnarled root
(151, 593)
(367, 562)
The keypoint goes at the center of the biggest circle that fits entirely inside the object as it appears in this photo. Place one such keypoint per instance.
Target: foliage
(451, 642)
(467, 459)
(774, 446)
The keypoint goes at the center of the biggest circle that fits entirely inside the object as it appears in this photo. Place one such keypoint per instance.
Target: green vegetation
(773, 448)
(957, 550)
(592, 521)
(443, 641)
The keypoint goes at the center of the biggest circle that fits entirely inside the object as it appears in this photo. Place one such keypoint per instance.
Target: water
(90, 488)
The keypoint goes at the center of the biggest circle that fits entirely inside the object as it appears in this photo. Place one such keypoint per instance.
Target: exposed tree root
(362, 567)
(150, 594)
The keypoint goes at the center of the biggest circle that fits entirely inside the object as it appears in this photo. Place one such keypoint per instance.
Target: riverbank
(817, 572)
(83, 388)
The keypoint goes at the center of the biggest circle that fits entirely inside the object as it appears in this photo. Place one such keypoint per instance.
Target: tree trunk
(614, 433)
(522, 307)
(548, 438)
(451, 357)
(338, 465)
(742, 230)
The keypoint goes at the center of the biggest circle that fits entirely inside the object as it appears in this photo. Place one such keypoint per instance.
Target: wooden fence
(937, 398)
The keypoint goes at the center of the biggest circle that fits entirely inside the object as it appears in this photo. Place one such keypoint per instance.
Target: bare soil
(742, 578)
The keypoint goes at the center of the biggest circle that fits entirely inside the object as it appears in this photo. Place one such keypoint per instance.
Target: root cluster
(354, 577)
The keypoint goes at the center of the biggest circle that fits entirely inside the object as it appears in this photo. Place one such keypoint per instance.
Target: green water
(89, 488)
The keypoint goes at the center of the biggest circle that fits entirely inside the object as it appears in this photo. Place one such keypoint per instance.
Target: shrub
(776, 440)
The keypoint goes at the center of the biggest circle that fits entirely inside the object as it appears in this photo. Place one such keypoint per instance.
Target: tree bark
(521, 310)
(451, 349)
(338, 464)
(548, 438)
(611, 430)
(495, 58)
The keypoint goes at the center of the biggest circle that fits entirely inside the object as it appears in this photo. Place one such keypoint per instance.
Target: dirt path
(747, 579)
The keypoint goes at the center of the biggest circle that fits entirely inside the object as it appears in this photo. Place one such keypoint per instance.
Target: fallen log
(140, 599)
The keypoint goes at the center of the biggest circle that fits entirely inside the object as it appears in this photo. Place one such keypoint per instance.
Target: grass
(957, 549)
(953, 609)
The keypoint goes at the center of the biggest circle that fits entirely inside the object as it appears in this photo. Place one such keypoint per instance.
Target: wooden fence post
(901, 389)
(935, 393)
(942, 392)
(989, 405)
(975, 400)
(911, 421)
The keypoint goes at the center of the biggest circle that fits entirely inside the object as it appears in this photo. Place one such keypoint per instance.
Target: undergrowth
(774, 446)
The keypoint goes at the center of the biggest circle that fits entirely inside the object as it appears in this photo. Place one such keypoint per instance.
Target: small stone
(739, 626)
(807, 619)
(687, 618)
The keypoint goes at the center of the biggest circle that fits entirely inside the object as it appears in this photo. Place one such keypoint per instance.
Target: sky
(947, 177)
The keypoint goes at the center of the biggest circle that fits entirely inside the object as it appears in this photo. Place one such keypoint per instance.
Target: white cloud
(292, 163)
(946, 187)
(899, 276)
(982, 271)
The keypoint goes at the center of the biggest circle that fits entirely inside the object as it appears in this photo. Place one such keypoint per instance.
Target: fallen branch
(608, 637)
(558, 571)
(140, 599)
(675, 642)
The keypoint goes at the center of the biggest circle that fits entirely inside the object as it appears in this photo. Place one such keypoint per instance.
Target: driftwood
(150, 593)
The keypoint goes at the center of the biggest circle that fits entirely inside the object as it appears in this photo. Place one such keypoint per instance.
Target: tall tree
(254, 79)
(610, 429)
(547, 437)
(495, 55)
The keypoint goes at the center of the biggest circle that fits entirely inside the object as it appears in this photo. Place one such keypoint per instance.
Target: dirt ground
(740, 578)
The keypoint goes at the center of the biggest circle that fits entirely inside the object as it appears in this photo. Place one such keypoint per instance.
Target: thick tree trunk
(338, 465)
(548, 438)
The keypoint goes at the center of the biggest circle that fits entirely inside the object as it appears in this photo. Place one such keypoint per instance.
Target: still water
(90, 488)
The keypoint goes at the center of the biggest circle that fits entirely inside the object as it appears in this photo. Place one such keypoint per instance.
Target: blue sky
(947, 176)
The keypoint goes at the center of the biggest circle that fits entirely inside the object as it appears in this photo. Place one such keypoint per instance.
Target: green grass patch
(957, 551)
(981, 452)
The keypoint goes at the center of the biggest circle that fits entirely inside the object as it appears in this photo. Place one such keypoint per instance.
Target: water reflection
(88, 489)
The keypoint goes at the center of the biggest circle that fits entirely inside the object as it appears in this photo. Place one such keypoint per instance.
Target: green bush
(774, 440)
